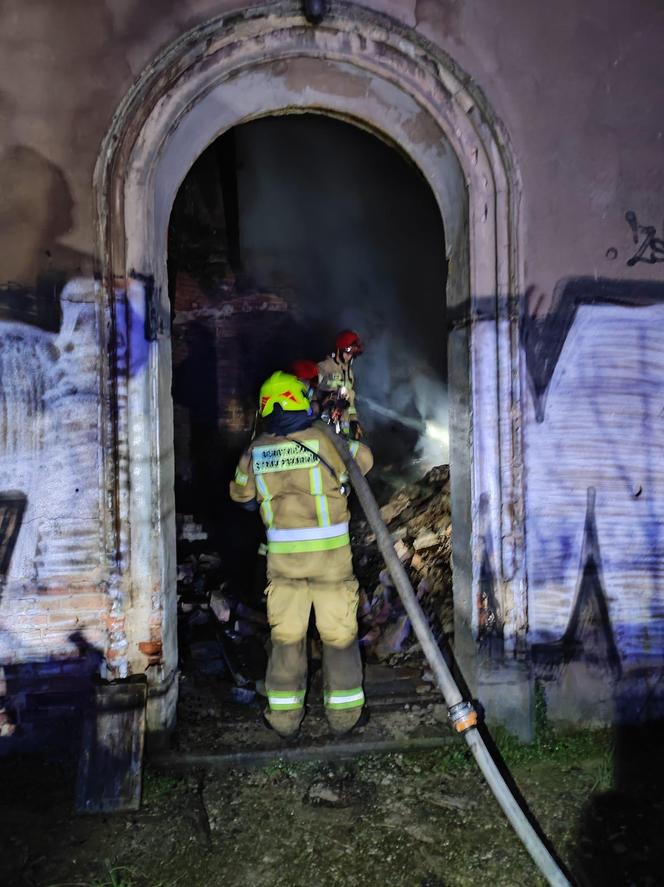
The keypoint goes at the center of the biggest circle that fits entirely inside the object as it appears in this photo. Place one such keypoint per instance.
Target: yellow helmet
(285, 390)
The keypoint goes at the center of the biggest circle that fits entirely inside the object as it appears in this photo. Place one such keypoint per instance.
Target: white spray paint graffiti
(602, 430)
(26, 357)
(50, 453)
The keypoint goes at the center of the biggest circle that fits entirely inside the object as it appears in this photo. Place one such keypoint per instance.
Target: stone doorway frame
(363, 67)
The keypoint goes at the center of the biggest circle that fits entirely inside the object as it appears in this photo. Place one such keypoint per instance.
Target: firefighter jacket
(335, 375)
(298, 481)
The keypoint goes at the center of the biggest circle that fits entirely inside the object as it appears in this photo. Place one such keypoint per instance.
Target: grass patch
(118, 876)
(280, 767)
(456, 758)
(565, 748)
(156, 787)
(562, 749)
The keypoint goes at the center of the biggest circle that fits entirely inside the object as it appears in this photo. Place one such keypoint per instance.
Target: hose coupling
(462, 716)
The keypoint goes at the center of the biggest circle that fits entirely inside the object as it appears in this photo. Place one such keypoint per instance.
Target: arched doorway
(360, 66)
(285, 230)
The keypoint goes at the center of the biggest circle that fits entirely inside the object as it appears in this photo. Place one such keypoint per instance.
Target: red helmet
(305, 370)
(348, 340)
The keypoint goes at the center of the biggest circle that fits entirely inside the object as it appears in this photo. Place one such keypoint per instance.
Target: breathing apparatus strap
(342, 486)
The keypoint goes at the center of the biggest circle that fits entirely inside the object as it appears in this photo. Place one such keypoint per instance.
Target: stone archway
(363, 67)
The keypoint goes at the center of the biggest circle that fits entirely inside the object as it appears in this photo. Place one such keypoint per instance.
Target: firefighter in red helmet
(336, 386)
(307, 372)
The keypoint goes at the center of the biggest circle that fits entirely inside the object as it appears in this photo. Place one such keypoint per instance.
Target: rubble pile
(418, 517)
(219, 635)
(223, 631)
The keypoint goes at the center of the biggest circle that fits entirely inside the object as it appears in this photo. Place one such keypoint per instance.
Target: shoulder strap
(318, 456)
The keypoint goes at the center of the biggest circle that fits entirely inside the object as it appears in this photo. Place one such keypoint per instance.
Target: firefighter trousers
(289, 603)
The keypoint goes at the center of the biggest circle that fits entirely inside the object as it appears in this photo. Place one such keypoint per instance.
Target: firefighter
(336, 385)
(307, 372)
(295, 474)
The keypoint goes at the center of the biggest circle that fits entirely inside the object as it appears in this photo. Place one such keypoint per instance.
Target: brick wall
(54, 613)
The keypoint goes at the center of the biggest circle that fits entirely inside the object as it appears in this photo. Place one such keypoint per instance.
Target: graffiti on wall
(12, 507)
(593, 430)
(49, 464)
(650, 247)
(48, 370)
(547, 321)
(589, 632)
(48, 434)
(594, 359)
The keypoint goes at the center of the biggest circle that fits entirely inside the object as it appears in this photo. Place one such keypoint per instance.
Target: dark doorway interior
(286, 230)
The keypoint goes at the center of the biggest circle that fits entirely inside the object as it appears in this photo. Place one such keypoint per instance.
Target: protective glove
(355, 430)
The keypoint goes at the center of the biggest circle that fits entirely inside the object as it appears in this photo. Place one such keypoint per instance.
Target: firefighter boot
(288, 607)
(344, 696)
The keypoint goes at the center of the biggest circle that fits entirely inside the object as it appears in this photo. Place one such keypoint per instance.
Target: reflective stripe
(354, 446)
(316, 481)
(289, 700)
(241, 478)
(316, 488)
(322, 511)
(301, 534)
(308, 545)
(341, 699)
(266, 505)
(266, 511)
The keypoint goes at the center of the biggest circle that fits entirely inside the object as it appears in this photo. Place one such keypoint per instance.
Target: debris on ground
(418, 517)
(219, 635)
(223, 633)
(189, 530)
(422, 819)
(337, 785)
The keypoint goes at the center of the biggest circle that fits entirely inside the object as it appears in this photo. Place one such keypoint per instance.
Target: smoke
(421, 407)
(402, 399)
(352, 230)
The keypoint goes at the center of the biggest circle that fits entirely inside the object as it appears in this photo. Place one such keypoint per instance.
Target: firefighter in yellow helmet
(297, 477)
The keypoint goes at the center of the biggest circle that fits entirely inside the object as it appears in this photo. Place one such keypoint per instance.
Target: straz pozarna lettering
(284, 457)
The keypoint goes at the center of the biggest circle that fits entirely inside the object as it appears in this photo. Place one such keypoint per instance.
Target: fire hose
(462, 713)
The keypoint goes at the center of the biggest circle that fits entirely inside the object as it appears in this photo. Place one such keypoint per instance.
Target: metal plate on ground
(111, 761)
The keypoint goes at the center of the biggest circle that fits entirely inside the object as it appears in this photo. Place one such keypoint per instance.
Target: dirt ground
(422, 819)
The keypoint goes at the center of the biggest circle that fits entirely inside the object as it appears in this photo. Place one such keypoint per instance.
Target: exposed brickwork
(42, 622)
(54, 604)
(221, 323)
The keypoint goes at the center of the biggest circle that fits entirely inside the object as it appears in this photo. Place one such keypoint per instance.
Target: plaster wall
(579, 91)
